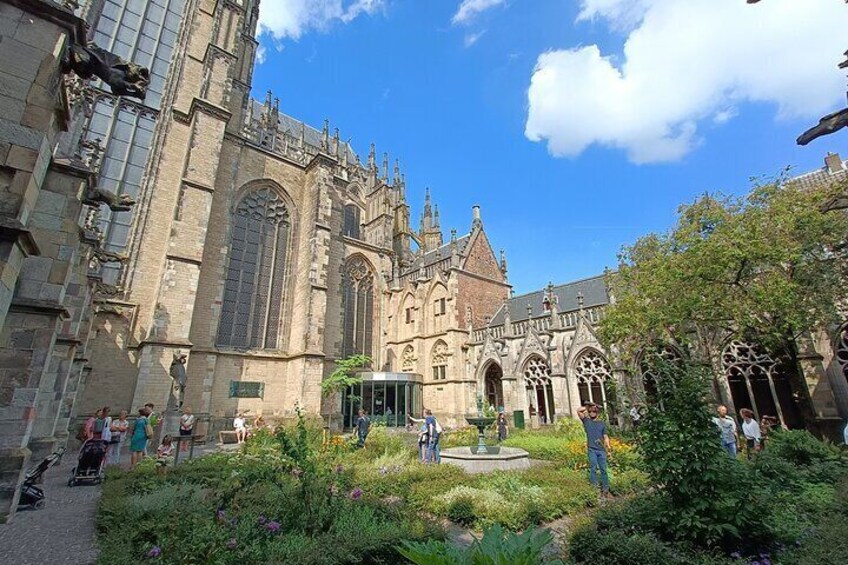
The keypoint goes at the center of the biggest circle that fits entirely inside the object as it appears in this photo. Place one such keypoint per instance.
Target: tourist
(751, 431)
(90, 425)
(100, 422)
(363, 426)
(503, 427)
(106, 430)
(153, 420)
(845, 433)
(258, 421)
(434, 433)
(240, 426)
(768, 425)
(422, 437)
(727, 427)
(597, 446)
(163, 453)
(186, 427)
(142, 432)
(635, 415)
(118, 431)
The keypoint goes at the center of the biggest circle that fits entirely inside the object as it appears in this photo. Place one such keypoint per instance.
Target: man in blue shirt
(597, 445)
(363, 426)
(434, 431)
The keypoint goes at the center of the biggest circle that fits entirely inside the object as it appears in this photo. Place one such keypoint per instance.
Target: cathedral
(198, 221)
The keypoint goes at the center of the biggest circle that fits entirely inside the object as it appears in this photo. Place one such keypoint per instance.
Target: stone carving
(827, 125)
(178, 374)
(116, 202)
(408, 360)
(103, 290)
(123, 77)
(104, 256)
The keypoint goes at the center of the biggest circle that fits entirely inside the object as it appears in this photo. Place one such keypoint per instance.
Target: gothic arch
(258, 265)
(759, 382)
(439, 360)
(593, 374)
(539, 388)
(358, 311)
(408, 359)
(406, 329)
(492, 379)
(647, 370)
(435, 313)
(840, 350)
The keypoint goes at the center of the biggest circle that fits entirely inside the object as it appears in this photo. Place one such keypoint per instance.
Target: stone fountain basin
(507, 459)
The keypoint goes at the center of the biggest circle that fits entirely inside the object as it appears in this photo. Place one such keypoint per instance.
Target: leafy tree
(767, 267)
(345, 374)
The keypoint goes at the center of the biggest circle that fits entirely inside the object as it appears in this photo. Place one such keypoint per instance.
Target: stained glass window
(255, 277)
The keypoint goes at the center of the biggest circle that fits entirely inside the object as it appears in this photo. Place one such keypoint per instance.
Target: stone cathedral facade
(264, 250)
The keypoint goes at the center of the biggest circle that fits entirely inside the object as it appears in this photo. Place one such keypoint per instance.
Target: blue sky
(625, 132)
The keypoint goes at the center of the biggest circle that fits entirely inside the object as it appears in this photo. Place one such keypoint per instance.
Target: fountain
(482, 458)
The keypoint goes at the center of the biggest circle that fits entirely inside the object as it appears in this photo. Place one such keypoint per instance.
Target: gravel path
(60, 533)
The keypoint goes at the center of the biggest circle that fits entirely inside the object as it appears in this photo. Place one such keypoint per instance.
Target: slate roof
(594, 294)
(437, 255)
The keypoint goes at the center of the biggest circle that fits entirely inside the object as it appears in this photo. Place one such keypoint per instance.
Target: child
(163, 454)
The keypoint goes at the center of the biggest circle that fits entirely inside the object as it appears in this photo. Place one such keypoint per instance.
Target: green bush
(461, 510)
(495, 547)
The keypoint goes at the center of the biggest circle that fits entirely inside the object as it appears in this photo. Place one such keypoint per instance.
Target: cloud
(470, 9)
(261, 54)
(684, 62)
(289, 19)
(472, 38)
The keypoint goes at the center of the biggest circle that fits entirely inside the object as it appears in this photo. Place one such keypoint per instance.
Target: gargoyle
(109, 256)
(116, 202)
(827, 125)
(123, 77)
(107, 290)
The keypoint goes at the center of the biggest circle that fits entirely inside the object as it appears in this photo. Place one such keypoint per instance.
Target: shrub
(461, 510)
(496, 546)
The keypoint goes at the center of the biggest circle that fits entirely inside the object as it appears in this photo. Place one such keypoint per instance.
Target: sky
(577, 125)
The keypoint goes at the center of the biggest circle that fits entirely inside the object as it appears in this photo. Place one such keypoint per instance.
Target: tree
(345, 374)
(768, 267)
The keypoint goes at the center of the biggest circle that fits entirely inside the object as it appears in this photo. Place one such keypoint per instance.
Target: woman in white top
(241, 431)
(751, 431)
(106, 433)
(118, 431)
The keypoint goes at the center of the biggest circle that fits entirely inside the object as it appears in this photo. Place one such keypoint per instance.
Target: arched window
(255, 284)
(592, 372)
(759, 382)
(358, 308)
(440, 361)
(842, 350)
(539, 389)
(651, 360)
(351, 221)
(407, 360)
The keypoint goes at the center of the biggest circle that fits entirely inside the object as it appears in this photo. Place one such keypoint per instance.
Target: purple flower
(262, 519)
(154, 552)
(339, 469)
(273, 526)
(736, 555)
(356, 494)
(220, 514)
(232, 543)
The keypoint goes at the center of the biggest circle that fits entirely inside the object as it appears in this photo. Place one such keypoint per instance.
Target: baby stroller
(32, 495)
(92, 458)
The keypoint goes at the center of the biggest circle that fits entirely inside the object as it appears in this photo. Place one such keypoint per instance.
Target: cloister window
(358, 308)
(407, 360)
(253, 292)
(759, 382)
(592, 372)
(351, 221)
(440, 307)
(539, 389)
(440, 361)
(650, 362)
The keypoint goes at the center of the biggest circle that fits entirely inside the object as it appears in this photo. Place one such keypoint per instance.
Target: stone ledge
(14, 230)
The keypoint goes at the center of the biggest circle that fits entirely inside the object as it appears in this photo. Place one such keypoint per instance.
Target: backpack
(98, 425)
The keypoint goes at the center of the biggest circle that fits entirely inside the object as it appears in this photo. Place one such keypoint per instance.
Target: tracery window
(539, 389)
(759, 382)
(440, 361)
(407, 360)
(592, 372)
(842, 350)
(358, 308)
(253, 292)
(650, 361)
(351, 221)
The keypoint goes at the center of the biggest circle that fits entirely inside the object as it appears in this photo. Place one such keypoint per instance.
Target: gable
(480, 259)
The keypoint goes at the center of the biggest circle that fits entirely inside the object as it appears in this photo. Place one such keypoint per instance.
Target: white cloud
(685, 61)
(261, 54)
(472, 38)
(469, 9)
(282, 19)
